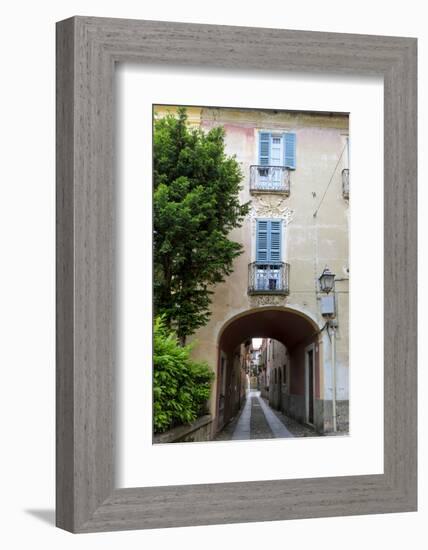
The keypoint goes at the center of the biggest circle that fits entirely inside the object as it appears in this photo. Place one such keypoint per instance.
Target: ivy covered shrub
(181, 387)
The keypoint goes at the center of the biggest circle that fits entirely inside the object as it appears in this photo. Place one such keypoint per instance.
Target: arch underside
(287, 326)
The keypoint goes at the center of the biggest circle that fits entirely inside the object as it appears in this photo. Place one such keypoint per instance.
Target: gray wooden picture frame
(87, 50)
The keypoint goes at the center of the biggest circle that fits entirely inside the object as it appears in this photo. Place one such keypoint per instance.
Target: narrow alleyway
(257, 420)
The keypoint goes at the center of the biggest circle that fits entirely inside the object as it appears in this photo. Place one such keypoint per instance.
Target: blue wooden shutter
(264, 148)
(275, 241)
(268, 241)
(262, 241)
(290, 150)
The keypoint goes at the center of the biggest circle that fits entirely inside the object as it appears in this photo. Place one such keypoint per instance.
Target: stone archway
(295, 330)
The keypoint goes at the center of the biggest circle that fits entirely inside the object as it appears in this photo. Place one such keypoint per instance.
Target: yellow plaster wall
(193, 113)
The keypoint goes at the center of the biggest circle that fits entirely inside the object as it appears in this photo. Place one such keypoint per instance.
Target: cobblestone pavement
(297, 429)
(257, 420)
(260, 428)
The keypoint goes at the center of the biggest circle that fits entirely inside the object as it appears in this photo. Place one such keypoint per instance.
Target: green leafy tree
(196, 205)
(181, 387)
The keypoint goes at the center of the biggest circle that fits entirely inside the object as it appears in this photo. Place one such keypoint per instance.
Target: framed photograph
(236, 274)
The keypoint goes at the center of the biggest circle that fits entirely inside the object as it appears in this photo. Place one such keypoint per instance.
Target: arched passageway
(292, 380)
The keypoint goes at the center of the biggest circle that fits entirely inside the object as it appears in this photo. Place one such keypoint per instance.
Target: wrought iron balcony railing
(269, 179)
(268, 278)
(345, 183)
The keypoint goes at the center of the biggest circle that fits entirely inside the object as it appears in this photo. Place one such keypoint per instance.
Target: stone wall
(199, 430)
(324, 415)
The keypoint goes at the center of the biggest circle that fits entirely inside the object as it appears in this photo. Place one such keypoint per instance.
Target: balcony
(269, 179)
(268, 278)
(345, 183)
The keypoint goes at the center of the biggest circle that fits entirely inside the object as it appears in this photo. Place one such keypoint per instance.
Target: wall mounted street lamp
(327, 280)
(328, 310)
(328, 302)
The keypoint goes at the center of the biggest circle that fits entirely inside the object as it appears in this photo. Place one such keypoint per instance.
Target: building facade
(296, 176)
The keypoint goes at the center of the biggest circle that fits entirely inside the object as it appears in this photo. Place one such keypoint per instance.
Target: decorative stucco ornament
(267, 300)
(270, 207)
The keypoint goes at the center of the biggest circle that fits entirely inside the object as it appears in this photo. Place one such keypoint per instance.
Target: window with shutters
(268, 274)
(277, 156)
(268, 241)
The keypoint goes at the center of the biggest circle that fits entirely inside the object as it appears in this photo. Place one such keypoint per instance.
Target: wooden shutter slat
(262, 241)
(290, 150)
(264, 148)
(268, 241)
(275, 241)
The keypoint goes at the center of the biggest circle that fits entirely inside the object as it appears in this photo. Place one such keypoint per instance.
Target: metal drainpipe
(333, 366)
